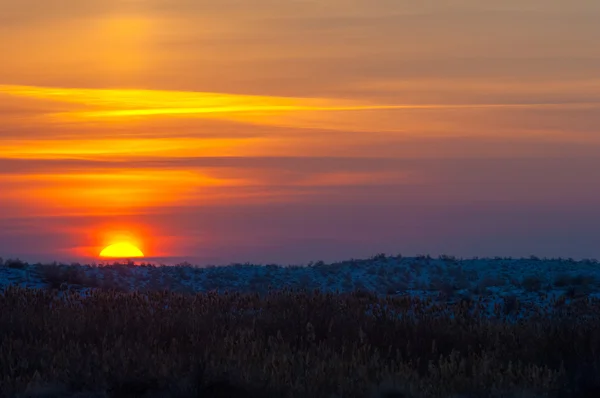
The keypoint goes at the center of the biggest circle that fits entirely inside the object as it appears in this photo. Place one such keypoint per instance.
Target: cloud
(290, 112)
(131, 102)
(301, 164)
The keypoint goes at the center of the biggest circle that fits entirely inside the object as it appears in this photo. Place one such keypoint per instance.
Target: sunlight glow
(134, 102)
(88, 148)
(102, 191)
(127, 99)
(121, 250)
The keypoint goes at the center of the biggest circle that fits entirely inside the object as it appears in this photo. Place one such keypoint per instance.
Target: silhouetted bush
(15, 264)
(53, 275)
(563, 280)
(490, 281)
(583, 280)
(532, 283)
(511, 304)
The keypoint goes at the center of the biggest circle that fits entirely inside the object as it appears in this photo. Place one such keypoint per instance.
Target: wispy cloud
(132, 102)
(87, 148)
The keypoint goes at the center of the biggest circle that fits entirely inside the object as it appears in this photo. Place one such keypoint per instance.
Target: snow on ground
(446, 279)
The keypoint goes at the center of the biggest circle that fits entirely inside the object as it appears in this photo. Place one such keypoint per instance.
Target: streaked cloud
(130, 102)
(367, 117)
(77, 148)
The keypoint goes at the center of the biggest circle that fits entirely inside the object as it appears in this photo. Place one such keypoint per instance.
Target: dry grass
(288, 344)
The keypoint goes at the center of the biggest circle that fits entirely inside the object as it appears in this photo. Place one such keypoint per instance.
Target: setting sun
(121, 250)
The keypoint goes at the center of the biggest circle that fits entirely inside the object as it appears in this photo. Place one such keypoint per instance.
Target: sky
(289, 131)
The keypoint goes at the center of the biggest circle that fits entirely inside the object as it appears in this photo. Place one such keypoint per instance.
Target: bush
(444, 288)
(394, 287)
(380, 257)
(481, 290)
(461, 284)
(53, 275)
(575, 292)
(15, 264)
(583, 280)
(490, 281)
(456, 271)
(510, 305)
(531, 283)
(563, 280)
(448, 259)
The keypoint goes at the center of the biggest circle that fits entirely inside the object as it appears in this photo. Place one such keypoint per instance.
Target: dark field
(290, 344)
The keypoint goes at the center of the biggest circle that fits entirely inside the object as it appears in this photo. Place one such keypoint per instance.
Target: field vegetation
(291, 343)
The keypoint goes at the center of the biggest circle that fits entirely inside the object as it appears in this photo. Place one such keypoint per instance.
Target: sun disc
(121, 250)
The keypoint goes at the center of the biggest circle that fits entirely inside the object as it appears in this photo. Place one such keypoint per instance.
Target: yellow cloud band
(133, 102)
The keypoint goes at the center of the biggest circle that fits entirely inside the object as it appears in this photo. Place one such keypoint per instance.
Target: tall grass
(292, 343)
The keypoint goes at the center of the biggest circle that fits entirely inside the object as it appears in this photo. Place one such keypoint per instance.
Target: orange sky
(295, 131)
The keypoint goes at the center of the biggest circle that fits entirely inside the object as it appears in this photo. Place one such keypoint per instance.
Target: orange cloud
(102, 192)
(133, 102)
(86, 148)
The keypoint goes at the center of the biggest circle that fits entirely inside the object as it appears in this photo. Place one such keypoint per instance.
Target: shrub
(577, 292)
(360, 286)
(444, 288)
(490, 281)
(415, 267)
(305, 281)
(389, 290)
(15, 264)
(531, 283)
(438, 270)
(461, 284)
(510, 304)
(347, 284)
(380, 257)
(371, 271)
(456, 271)
(481, 290)
(583, 280)
(53, 275)
(394, 287)
(473, 276)
(562, 280)
(446, 258)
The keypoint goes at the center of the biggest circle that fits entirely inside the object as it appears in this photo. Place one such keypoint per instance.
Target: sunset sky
(295, 130)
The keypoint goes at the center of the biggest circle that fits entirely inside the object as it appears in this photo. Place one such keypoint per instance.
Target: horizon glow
(290, 132)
